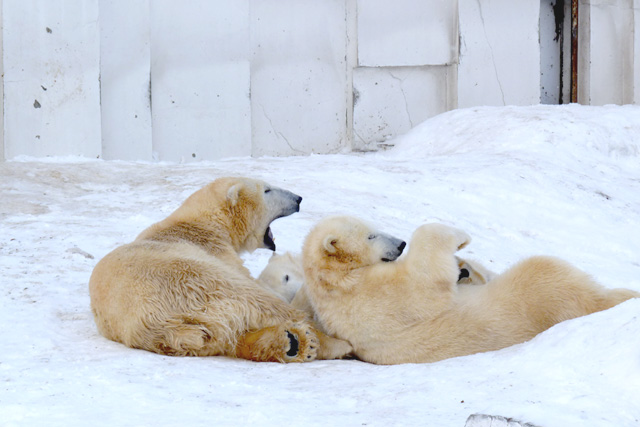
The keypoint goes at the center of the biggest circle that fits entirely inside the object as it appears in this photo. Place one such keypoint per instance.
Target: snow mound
(612, 131)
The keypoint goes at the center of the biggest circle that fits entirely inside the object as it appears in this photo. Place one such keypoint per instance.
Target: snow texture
(561, 180)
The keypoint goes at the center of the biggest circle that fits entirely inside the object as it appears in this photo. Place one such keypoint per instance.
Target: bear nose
(402, 246)
(298, 200)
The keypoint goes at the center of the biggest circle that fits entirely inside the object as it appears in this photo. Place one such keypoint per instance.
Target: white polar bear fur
(412, 310)
(283, 275)
(181, 287)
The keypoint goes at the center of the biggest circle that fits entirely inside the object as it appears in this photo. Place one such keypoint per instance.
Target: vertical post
(574, 51)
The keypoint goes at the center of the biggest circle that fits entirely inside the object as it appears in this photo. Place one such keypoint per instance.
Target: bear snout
(297, 200)
(393, 247)
(292, 201)
(394, 253)
(281, 203)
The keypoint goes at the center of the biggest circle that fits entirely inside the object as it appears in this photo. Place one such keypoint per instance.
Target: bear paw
(289, 342)
(443, 236)
(302, 343)
(460, 238)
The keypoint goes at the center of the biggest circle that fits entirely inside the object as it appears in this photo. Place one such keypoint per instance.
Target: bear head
(283, 274)
(347, 243)
(245, 207)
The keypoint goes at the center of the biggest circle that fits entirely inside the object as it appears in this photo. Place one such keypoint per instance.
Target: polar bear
(283, 275)
(412, 310)
(180, 288)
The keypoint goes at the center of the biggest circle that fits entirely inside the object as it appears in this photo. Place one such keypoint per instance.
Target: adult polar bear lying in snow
(412, 310)
(181, 288)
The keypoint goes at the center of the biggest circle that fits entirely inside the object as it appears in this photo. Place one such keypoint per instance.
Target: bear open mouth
(268, 240)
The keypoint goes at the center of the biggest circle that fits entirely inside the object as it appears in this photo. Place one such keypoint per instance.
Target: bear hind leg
(617, 296)
(181, 340)
(190, 337)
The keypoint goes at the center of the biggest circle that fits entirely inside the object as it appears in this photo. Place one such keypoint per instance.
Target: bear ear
(330, 244)
(233, 194)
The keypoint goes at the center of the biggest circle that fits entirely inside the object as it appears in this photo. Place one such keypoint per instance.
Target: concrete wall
(407, 54)
(200, 79)
(499, 53)
(2, 155)
(298, 77)
(608, 72)
(125, 77)
(51, 58)
(636, 51)
(207, 79)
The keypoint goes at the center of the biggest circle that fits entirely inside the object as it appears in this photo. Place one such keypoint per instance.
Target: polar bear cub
(180, 288)
(412, 310)
(283, 275)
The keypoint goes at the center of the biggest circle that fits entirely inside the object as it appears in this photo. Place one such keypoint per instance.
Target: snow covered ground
(562, 181)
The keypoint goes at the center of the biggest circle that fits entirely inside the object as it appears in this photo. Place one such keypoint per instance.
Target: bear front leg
(431, 259)
(289, 342)
(333, 348)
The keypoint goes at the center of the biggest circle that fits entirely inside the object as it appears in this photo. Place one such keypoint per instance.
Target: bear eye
(372, 236)
(286, 277)
(268, 190)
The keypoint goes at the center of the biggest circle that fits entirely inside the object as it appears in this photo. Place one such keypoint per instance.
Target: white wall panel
(611, 48)
(636, 51)
(2, 154)
(298, 76)
(200, 79)
(407, 32)
(125, 84)
(499, 53)
(51, 78)
(390, 101)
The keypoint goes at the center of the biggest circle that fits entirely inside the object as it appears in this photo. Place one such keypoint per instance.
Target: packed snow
(556, 180)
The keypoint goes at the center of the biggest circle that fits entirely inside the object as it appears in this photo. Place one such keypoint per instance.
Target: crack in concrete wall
(493, 59)
(404, 95)
(280, 135)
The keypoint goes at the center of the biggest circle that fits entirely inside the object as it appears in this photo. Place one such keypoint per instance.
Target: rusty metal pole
(573, 93)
